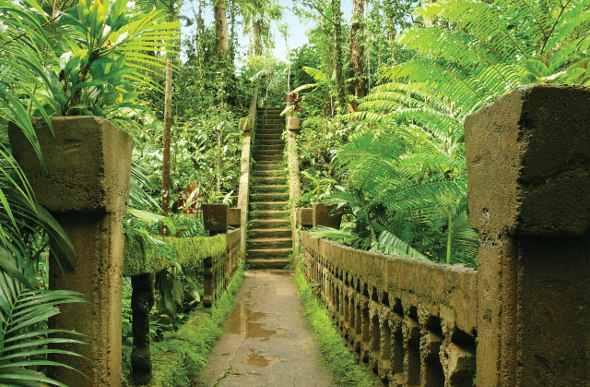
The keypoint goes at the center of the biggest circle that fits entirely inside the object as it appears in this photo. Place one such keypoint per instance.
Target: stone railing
(522, 318)
(244, 190)
(412, 322)
(85, 185)
(216, 255)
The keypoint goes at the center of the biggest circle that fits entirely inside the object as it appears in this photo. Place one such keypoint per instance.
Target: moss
(345, 370)
(180, 359)
(143, 256)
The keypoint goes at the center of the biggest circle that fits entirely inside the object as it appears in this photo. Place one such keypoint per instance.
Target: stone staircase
(269, 232)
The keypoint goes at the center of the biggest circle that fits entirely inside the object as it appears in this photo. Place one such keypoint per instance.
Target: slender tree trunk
(167, 126)
(232, 29)
(221, 35)
(337, 14)
(219, 160)
(221, 47)
(357, 48)
(257, 29)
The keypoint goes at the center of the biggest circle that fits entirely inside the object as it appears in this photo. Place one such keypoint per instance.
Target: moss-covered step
(269, 214)
(260, 188)
(274, 157)
(256, 233)
(268, 263)
(276, 147)
(270, 243)
(269, 197)
(268, 180)
(268, 253)
(266, 206)
(269, 223)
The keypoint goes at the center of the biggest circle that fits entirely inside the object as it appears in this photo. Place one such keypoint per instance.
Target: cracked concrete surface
(266, 341)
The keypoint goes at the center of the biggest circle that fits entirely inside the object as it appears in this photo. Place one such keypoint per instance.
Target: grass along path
(182, 357)
(345, 370)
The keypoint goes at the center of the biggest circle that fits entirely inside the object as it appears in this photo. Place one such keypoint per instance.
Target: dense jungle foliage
(382, 86)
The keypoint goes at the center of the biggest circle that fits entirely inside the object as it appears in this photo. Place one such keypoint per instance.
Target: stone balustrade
(521, 318)
(413, 322)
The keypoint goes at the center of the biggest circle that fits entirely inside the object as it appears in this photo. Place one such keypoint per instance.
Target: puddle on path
(257, 359)
(245, 321)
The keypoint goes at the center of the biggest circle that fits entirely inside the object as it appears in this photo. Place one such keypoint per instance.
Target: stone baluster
(216, 218)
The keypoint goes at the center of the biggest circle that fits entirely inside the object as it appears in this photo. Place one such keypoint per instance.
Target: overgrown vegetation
(399, 171)
(340, 360)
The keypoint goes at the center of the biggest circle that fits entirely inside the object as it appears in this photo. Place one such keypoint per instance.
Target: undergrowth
(180, 359)
(345, 370)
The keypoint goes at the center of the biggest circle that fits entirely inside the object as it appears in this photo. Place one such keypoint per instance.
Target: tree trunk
(221, 35)
(167, 125)
(232, 29)
(257, 29)
(337, 14)
(357, 49)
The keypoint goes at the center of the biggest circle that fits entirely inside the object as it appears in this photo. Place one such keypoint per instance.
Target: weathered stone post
(323, 216)
(528, 161)
(86, 189)
(216, 217)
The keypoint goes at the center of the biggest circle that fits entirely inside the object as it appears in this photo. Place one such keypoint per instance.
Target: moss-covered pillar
(86, 188)
(216, 218)
(142, 301)
(528, 163)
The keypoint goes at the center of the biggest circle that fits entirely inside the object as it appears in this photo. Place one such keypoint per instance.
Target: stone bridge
(520, 319)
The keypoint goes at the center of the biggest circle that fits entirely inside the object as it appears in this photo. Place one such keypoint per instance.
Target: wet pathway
(266, 341)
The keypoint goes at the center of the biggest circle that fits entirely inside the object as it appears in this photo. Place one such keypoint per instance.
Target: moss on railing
(143, 256)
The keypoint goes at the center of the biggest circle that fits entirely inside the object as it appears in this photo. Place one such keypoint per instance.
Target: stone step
(269, 152)
(269, 168)
(269, 197)
(268, 179)
(269, 233)
(270, 164)
(274, 112)
(269, 206)
(270, 243)
(271, 123)
(274, 144)
(268, 253)
(269, 223)
(270, 157)
(264, 171)
(270, 188)
(267, 263)
(269, 214)
(268, 135)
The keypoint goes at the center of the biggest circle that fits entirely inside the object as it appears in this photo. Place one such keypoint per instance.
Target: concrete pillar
(216, 218)
(323, 216)
(86, 189)
(528, 162)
